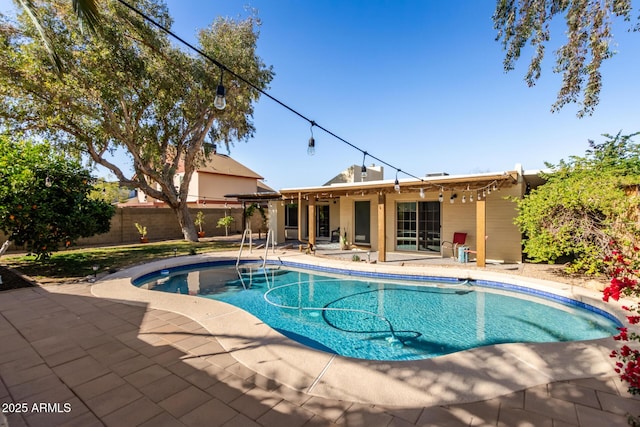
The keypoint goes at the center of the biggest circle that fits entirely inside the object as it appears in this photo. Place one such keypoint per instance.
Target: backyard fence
(162, 224)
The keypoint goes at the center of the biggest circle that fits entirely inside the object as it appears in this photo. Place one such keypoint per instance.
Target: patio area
(69, 357)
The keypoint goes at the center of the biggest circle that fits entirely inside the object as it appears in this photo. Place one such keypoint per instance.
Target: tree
(44, 198)
(85, 10)
(586, 203)
(129, 87)
(579, 60)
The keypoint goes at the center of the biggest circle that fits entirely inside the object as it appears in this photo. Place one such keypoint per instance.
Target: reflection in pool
(387, 319)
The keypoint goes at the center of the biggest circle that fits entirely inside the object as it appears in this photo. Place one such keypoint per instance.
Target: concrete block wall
(161, 224)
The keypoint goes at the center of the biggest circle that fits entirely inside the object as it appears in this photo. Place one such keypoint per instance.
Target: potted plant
(225, 222)
(199, 221)
(142, 230)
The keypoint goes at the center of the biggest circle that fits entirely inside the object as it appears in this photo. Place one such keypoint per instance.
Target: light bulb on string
(220, 100)
(440, 196)
(48, 182)
(396, 184)
(363, 170)
(470, 197)
(311, 149)
(464, 198)
(422, 193)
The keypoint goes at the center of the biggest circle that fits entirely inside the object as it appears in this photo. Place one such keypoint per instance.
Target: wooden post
(481, 233)
(312, 220)
(300, 217)
(382, 237)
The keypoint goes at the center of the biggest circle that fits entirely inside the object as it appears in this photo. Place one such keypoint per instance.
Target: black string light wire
(224, 68)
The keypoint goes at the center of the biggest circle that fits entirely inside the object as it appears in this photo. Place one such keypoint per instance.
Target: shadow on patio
(93, 361)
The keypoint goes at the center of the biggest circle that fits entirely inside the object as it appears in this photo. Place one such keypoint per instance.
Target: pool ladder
(270, 239)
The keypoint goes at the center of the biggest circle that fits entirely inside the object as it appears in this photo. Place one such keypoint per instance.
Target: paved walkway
(68, 358)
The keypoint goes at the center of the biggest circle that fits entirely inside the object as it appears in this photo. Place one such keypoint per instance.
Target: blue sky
(418, 83)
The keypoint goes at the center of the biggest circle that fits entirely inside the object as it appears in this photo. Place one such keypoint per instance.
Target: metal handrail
(244, 235)
(271, 237)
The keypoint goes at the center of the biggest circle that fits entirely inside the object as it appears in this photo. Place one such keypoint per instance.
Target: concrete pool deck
(126, 356)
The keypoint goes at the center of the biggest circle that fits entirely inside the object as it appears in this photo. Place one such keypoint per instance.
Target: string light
(311, 149)
(396, 184)
(440, 196)
(363, 170)
(311, 146)
(422, 193)
(220, 101)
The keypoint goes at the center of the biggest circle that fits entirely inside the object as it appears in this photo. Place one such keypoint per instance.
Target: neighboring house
(210, 183)
(418, 216)
(354, 174)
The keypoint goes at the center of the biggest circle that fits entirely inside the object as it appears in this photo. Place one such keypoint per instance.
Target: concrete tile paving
(147, 367)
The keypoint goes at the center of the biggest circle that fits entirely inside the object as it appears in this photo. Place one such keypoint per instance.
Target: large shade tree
(588, 42)
(128, 87)
(45, 197)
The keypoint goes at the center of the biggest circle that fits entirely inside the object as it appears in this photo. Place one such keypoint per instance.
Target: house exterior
(420, 215)
(210, 184)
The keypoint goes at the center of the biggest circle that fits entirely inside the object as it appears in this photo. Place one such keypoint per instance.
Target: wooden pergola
(259, 197)
(384, 188)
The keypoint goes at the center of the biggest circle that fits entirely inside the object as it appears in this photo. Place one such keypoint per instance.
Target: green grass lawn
(74, 264)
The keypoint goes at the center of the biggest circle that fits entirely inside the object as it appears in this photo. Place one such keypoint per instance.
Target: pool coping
(469, 376)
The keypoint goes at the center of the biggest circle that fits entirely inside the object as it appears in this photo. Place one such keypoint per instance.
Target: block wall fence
(162, 224)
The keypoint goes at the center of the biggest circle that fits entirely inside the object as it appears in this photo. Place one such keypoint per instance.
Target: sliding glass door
(406, 226)
(418, 226)
(429, 226)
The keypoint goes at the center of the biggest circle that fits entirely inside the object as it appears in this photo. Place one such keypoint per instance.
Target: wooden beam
(382, 235)
(481, 233)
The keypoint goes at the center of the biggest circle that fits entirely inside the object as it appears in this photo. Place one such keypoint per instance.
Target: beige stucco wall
(213, 186)
(209, 186)
(276, 221)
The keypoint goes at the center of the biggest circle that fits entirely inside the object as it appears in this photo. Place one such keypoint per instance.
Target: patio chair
(459, 239)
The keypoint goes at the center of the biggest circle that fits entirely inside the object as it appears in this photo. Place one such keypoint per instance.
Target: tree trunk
(186, 223)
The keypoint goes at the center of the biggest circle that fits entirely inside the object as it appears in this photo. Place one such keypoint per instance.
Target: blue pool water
(390, 319)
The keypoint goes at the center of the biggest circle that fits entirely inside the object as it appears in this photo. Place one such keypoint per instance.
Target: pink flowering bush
(623, 266)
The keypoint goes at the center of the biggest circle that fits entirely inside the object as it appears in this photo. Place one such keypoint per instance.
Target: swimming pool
(389, 318)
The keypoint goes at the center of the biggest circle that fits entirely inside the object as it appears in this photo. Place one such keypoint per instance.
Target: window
(291, 215)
